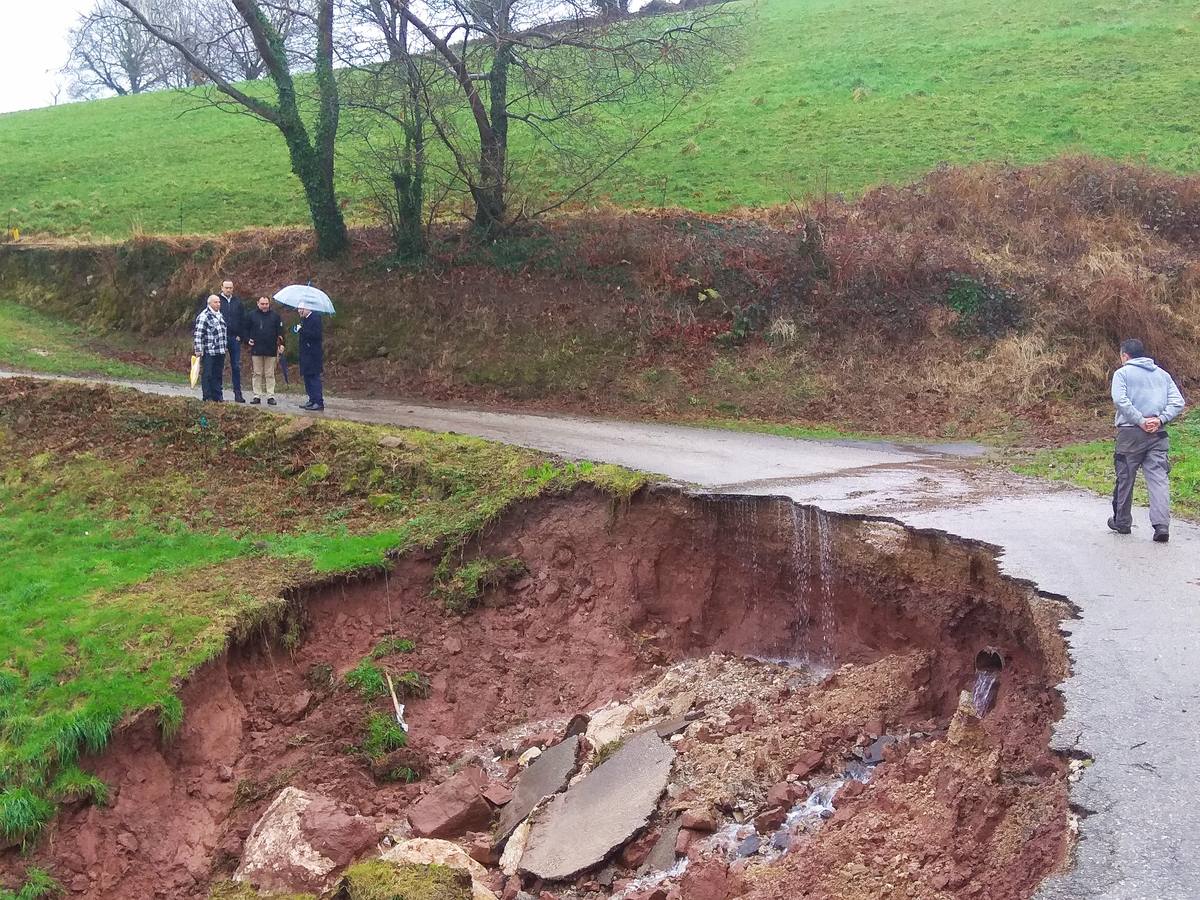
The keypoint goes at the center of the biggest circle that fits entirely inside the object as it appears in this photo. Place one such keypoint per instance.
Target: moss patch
(379, 880)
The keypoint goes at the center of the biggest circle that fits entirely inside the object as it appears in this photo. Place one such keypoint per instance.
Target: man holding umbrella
(312, 304)
(312, 334)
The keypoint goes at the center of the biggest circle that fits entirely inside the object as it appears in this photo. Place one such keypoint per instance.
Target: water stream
(983, 695)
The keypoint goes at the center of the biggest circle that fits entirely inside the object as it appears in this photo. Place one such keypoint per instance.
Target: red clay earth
(967, 809)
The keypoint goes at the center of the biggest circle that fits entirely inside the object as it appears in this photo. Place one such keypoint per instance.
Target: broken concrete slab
(873, 754)
(292, 429)
(546, 775)
(579, 829)
(662, 855)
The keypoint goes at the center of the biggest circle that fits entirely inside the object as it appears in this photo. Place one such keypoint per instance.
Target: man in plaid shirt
(210, 340)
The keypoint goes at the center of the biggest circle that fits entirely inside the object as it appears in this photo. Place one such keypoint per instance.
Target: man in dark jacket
(264, 337)
(209, 343)
(235, 323)
(311, 331)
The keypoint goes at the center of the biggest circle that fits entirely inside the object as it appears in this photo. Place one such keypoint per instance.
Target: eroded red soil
(612, 594)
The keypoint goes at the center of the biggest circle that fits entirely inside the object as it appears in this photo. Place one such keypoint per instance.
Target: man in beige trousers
(263, 329)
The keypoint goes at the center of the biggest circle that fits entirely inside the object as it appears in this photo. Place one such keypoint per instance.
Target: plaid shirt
(210, 337)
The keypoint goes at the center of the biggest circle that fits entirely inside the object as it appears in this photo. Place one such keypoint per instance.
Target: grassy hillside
(830, 94)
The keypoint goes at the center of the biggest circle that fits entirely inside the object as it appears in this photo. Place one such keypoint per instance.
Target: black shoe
(1161, 534)
(270, 401)
(309, 406)
(239, 399)
(255, 402)
(1112, 523)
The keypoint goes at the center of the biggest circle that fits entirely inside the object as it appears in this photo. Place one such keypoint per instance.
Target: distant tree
(312, 155)
(219, 35)
(385, 105)
(111, 53)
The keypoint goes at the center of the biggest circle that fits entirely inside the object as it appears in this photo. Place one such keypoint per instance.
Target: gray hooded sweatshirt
(1141, 390)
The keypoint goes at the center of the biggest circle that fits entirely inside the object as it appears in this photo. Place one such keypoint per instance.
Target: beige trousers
(263, 375)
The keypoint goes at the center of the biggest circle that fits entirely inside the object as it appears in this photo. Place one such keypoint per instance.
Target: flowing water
(812, 573)
(987, 682)
(739, 841)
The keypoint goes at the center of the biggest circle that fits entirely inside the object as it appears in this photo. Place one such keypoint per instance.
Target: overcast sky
(33, 46)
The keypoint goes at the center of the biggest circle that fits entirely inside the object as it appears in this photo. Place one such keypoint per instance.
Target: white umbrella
(305, 295)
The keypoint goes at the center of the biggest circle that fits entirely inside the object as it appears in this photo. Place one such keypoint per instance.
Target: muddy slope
(612, 593)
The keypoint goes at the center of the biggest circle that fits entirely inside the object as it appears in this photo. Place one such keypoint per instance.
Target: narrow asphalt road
(1134, 694)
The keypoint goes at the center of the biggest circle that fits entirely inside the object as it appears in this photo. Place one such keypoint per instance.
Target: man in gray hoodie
(1146, 398)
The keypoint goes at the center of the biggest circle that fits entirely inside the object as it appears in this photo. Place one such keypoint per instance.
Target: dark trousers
(312, 387)
(212, 367)
(235, 366)
(1135, 449)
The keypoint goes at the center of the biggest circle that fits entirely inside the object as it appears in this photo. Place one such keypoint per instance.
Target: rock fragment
(300, 842)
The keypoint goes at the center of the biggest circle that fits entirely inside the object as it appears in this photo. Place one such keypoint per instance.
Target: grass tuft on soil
(1090, 465)
(38, 886)
(137, 542)
(461, 588)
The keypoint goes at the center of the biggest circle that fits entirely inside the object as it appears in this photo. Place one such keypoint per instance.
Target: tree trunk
(317, 178)
(490, 200)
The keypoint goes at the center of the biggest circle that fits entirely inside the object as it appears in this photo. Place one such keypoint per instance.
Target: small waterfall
(825, 584)
(812, 568)
(988, 664)
(984, 693)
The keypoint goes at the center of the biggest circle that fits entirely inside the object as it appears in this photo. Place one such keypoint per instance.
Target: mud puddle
(797, 680)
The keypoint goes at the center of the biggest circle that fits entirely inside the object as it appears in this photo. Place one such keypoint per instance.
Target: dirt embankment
(974, 301)
(882, 628)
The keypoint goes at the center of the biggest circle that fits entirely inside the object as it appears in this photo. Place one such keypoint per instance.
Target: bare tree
(552, 68)
(386, 112)
(220, 36)
(111, 53)
(312, 156)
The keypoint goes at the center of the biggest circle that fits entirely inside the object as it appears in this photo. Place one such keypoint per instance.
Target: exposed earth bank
(777, 651)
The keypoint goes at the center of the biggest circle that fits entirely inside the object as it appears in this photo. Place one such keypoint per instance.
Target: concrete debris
(579, 829)
(662, 856)
(873, 754)
(510, 860)
(546, 775)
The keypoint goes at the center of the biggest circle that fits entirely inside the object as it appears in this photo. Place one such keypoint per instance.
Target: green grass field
(121, 571)
(829, 94)
(1090, 465)
(33, 342)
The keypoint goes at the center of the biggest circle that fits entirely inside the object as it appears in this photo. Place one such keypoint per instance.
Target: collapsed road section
(677, 696)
